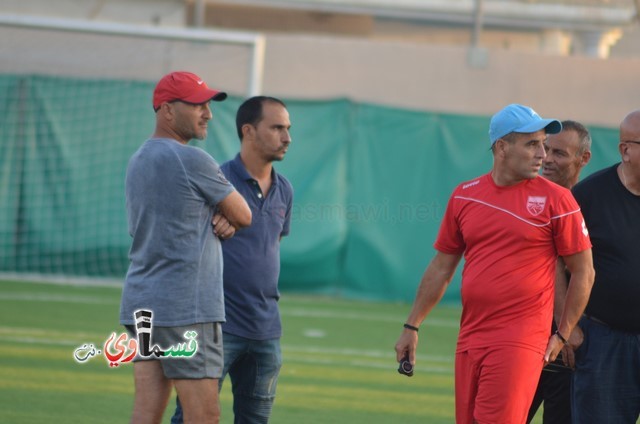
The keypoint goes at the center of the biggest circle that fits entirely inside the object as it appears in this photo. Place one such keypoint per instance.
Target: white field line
(293, 354)
(47, 297)
(284, 311)
(319, 313)
(366, 358)
(362, 364)
(41, 333)
(62, 280)
(40, 336)
(36, 341)
(373, 354)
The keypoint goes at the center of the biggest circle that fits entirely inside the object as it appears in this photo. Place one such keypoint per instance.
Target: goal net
(73, 111)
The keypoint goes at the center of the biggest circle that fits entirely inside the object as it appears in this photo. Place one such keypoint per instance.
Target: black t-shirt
(612, 215)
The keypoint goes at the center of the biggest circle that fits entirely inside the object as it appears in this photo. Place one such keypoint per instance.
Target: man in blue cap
(510, 225)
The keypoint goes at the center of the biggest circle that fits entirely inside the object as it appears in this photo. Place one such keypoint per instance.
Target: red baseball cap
(186, 87)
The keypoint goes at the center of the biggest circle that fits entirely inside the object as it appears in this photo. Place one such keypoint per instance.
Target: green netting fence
(371, 182)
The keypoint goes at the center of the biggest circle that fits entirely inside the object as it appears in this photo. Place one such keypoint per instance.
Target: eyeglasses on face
(630, 141)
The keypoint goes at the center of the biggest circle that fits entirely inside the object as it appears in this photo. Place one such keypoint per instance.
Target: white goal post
(76, 104)
(255, 41)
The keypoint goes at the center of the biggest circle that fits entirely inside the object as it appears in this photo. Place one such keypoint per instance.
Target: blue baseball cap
(522, 119)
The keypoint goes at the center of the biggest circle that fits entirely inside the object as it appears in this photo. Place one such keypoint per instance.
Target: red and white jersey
(511, 238)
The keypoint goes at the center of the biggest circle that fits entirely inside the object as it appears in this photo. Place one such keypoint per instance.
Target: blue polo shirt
(252, 256)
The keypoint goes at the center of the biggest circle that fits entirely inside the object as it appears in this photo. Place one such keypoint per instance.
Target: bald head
(630, 127)
(629, 148)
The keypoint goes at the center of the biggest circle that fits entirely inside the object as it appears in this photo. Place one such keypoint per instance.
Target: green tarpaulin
(371, 183)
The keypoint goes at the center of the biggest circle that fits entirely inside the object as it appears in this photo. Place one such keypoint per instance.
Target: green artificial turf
(339, 362)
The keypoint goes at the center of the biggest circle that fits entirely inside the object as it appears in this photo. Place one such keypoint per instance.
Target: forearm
(428, 295)
(577, 297)
(236, 210)
(433, 284)
(432, 287)
(560, 291)
(580, 265)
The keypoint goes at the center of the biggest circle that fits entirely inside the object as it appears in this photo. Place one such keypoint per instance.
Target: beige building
(571, 59)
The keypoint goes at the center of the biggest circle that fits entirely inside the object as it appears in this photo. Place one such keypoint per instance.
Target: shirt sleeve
(450, 238)
(207, 178)
(287, 217)
(569, 229)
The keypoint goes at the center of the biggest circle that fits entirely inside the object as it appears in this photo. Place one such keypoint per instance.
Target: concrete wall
(156, 12)
(437, 78)
(50, 52)
(399, 74)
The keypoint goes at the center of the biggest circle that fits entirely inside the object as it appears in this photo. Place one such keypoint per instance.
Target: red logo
(535, 204)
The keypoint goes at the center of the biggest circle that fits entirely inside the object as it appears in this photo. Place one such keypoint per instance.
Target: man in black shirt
(606, 382)
(567, 153)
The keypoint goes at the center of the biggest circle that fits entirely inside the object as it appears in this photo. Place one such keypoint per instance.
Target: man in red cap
(174, 193)
(185, 87)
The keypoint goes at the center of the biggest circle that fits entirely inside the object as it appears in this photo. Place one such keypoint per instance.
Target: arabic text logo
(85, 352)
(122, 349)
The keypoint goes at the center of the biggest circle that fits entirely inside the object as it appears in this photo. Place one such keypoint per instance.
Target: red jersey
(511, 238)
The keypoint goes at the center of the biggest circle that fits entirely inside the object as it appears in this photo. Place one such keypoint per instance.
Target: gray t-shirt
(176, 261)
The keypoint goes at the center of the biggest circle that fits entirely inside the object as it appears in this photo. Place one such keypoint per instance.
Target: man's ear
(247, 131)
(166, 109)
(623, 148)
(501, 146)
(585, 158)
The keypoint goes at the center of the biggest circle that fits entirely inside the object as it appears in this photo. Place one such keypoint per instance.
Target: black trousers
(554, 389)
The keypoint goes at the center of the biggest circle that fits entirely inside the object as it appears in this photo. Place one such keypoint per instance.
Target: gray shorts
(206, 362)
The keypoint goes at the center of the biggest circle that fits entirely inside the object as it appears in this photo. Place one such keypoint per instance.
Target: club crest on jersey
(535, 204)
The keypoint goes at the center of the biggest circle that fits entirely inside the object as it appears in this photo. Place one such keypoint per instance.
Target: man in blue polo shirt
(252, 331)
